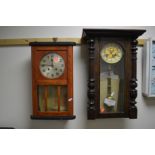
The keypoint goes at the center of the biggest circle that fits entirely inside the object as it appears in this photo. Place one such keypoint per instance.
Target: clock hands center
(49, 65)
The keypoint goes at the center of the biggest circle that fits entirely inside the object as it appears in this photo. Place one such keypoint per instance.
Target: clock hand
(46, 65)
(52, 65)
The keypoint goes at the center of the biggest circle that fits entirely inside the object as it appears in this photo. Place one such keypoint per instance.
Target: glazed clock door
(52, 97)
(112, 77)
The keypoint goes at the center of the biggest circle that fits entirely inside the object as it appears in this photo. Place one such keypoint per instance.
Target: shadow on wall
(108, 123)
(149, 101)
(48, 124)
(90, 124)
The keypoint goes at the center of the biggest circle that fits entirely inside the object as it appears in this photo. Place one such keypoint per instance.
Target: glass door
(111, 78)
(52, 98)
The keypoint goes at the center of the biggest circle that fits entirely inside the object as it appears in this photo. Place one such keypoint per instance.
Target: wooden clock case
(127, 39)
(65, 50)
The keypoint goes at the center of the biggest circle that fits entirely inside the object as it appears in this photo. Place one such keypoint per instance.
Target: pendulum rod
(109, 82)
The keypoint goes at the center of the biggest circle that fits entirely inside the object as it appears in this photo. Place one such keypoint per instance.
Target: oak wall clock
(52, 80)
(112, 72)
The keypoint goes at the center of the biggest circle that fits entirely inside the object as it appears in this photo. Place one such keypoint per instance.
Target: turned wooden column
(133, 81)
(91, 81)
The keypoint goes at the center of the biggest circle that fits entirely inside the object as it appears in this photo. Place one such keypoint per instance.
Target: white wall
(15, 84)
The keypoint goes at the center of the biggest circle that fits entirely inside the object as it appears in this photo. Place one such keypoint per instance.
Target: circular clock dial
(52, 66)
(111, 53)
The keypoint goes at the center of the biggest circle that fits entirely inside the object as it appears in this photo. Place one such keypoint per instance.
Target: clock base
(53, 117)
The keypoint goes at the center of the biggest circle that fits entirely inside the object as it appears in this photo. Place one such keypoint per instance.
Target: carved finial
(55, 39)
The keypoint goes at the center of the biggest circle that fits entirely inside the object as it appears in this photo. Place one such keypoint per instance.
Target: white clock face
(112, 53)
(52, 66)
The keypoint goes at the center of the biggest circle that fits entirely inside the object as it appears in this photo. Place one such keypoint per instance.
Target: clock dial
(111, 53)
(52, 66)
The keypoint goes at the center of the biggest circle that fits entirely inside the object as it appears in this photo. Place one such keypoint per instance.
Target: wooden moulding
(53, 117)
(27, 41)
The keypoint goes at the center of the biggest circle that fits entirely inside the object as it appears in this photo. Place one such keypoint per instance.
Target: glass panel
(52, 98)
(52, 102)
(63, 99)
(48, 99)
(111, 78)
(41, 98)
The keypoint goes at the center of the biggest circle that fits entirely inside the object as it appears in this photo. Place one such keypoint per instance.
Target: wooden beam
(26, 41)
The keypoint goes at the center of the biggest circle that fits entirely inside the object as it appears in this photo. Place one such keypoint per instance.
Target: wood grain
(27, 41)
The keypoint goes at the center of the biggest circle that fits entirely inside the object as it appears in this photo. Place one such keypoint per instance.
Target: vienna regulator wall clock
(112, 72)
(52, 80)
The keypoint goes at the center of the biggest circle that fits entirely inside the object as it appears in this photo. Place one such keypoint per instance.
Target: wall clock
(112, 72)
(52, 80)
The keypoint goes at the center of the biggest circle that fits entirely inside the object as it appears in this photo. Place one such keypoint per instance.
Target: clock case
(65, 50)
(127, 39)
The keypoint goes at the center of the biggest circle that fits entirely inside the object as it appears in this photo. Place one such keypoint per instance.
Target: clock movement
(52, 80)
(112, 72)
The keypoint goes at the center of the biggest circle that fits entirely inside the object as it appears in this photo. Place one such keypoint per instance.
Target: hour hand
(45, 65)
(52, 65)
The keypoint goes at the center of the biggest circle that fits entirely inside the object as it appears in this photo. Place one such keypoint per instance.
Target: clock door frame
(38, 51)
(125, 44)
